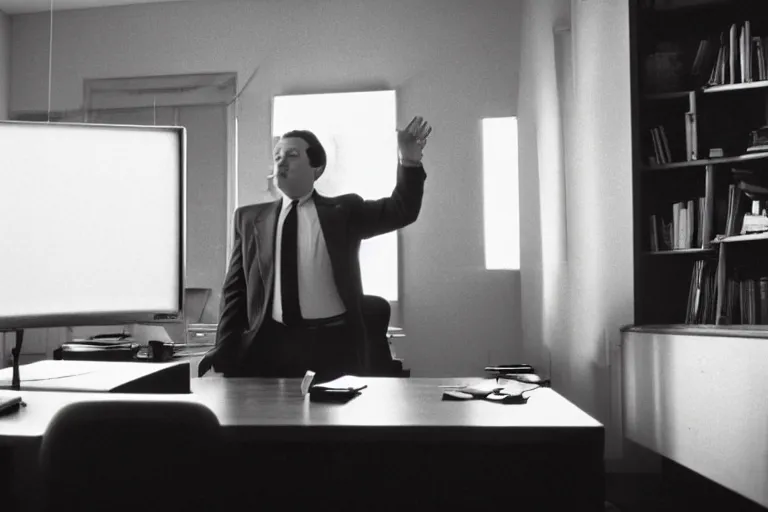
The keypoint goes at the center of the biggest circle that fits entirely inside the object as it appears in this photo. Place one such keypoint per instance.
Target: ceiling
(13, 7)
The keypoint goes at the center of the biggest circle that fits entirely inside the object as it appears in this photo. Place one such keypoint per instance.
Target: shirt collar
(302, 200)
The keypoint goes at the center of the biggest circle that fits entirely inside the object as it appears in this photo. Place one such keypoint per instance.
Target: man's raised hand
(412, 139)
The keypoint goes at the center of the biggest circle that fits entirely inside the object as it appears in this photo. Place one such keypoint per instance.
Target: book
(654, 233)
(665, 144)
(760, 57)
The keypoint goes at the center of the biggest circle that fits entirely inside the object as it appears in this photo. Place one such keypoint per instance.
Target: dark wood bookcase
(700, 168)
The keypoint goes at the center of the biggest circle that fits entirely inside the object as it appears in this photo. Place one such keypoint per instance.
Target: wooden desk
(397, 438)
(388, 405)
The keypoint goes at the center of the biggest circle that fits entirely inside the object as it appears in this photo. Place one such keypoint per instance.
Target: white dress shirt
(318, 296)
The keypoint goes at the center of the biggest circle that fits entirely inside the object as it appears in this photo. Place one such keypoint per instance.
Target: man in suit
(291, 299)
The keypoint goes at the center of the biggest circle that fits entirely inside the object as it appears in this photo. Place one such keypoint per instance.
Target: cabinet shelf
(697, 250)
(741, 238)
(712, 89)
(757, 84)
(733, 330)
(702, 162)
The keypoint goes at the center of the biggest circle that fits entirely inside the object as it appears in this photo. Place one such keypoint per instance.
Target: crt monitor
(92, 224)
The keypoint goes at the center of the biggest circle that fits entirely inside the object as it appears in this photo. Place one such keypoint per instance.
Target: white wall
(577, 277)
(5, 89)
(5, 64)
(452, 61)
(207, 188)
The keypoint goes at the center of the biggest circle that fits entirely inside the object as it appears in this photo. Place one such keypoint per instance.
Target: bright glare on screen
(358, 132)
(500, 193)
(89, 220)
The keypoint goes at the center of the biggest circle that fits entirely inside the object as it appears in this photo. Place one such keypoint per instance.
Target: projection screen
(92, 224)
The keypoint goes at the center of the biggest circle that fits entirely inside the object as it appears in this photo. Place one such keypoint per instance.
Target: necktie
(289, 267)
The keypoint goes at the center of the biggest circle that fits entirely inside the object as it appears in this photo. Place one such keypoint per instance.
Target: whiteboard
(92, 223)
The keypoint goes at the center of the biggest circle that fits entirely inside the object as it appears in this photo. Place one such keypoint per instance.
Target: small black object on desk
(10, 405)
(510, 368)
(16, 352)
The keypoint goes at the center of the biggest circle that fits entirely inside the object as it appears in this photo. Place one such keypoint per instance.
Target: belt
(321, 323)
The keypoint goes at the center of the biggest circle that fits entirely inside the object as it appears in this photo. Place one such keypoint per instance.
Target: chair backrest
(140, 455)
(376, 315)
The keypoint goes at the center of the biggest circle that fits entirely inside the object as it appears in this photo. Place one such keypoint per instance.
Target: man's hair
(315, 150)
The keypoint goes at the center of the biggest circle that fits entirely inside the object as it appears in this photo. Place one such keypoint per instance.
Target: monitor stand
(15, 352)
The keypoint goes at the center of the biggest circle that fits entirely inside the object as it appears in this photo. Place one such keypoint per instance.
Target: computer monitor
(92, 224)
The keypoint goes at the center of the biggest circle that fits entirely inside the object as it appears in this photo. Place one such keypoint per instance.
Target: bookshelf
(700, 161)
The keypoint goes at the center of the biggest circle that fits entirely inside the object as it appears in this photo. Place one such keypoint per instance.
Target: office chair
(376, 315)
(138, 456)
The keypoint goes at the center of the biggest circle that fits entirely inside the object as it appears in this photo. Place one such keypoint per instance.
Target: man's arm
(233, 317)
(371, 218)
(375, 217)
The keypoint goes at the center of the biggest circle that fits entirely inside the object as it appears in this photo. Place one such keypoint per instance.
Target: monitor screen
(92, 224)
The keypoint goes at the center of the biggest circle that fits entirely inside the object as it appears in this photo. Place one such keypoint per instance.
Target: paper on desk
(487, 387)
(514, 387)
(480, 389)
(47, 370)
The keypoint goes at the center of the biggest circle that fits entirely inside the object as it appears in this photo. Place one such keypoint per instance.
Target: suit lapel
(265, 233)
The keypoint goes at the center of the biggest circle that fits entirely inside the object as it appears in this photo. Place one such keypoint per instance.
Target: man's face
(295, 176)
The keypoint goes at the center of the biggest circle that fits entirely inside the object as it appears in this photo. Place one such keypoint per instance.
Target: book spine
(657, 146)
(665, 144)
(742, 55)
(682, 225)
(748, 50)
(690, 217)
(759, 58)
(700, 219)
(716, 67)
(691, 137)
(733, 48)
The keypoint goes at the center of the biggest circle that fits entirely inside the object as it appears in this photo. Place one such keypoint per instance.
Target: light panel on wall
(358, 132)
(501, 212)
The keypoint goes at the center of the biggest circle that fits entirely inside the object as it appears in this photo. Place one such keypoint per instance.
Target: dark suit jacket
(345, 220)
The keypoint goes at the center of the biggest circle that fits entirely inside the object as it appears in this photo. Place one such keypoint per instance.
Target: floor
(676, 489)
